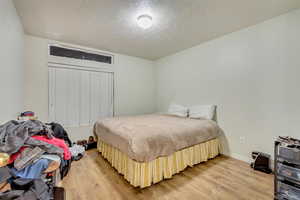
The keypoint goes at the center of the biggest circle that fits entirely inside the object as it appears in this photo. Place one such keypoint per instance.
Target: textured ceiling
(111, 24)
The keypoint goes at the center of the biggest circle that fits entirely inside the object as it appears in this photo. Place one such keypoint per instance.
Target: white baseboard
(241, 157)
(247, 159)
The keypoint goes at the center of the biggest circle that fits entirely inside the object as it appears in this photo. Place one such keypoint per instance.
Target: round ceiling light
(144, 21)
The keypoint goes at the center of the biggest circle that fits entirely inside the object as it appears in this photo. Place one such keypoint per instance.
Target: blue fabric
(33, 171)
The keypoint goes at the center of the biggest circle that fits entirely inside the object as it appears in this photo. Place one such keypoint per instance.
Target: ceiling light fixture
(144, 21)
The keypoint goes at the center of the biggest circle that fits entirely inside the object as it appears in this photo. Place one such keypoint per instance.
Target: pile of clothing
(33, 157)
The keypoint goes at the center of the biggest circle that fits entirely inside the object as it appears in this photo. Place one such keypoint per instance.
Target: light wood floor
(92, 178)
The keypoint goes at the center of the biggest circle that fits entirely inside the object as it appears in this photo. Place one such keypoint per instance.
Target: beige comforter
(145, 138)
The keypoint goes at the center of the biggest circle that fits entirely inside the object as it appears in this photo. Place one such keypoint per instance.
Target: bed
(147, 149)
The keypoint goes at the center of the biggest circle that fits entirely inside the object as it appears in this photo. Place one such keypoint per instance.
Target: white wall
(253, 75)
(134, 84)
(11, 56)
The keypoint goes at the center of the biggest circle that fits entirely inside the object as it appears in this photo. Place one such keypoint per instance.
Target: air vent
(78, 54)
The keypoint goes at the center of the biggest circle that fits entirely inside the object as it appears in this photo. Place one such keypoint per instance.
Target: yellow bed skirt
(144, 174)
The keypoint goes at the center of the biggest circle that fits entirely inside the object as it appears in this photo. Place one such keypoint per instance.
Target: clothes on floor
(4, 174)
(33, 171)
(47, 147)
(56, 142)
(53, 150)
(12, 195)
(77, 152)
(36, 159)
(27, 189)
(14, 156)
(51, 157)
(14, 134)
(27, 157)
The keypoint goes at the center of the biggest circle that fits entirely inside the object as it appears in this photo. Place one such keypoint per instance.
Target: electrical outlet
(242, 139)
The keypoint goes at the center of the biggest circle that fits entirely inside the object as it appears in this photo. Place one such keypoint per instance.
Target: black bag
(65, 167)
(261, 162)
(60, 132)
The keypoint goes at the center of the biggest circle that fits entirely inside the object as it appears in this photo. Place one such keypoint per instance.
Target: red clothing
(57, 142)
(14, 156)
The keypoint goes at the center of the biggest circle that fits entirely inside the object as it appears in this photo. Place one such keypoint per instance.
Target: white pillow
(202, 111)
(178, 110)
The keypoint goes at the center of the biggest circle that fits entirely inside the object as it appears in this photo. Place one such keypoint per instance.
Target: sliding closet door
(79, 97)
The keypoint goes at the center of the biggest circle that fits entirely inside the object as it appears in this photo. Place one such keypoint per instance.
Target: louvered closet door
(85, 91)
(101, 91)
(78, 97)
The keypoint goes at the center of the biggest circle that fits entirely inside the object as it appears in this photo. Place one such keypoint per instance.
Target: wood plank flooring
(92, 178)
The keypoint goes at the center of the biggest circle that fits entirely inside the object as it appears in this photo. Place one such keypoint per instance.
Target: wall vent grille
(79, 54)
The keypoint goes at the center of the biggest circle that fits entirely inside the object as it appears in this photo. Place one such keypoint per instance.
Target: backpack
(60, 132)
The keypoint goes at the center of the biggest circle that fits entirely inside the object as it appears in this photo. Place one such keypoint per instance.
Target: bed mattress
(147, 137)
